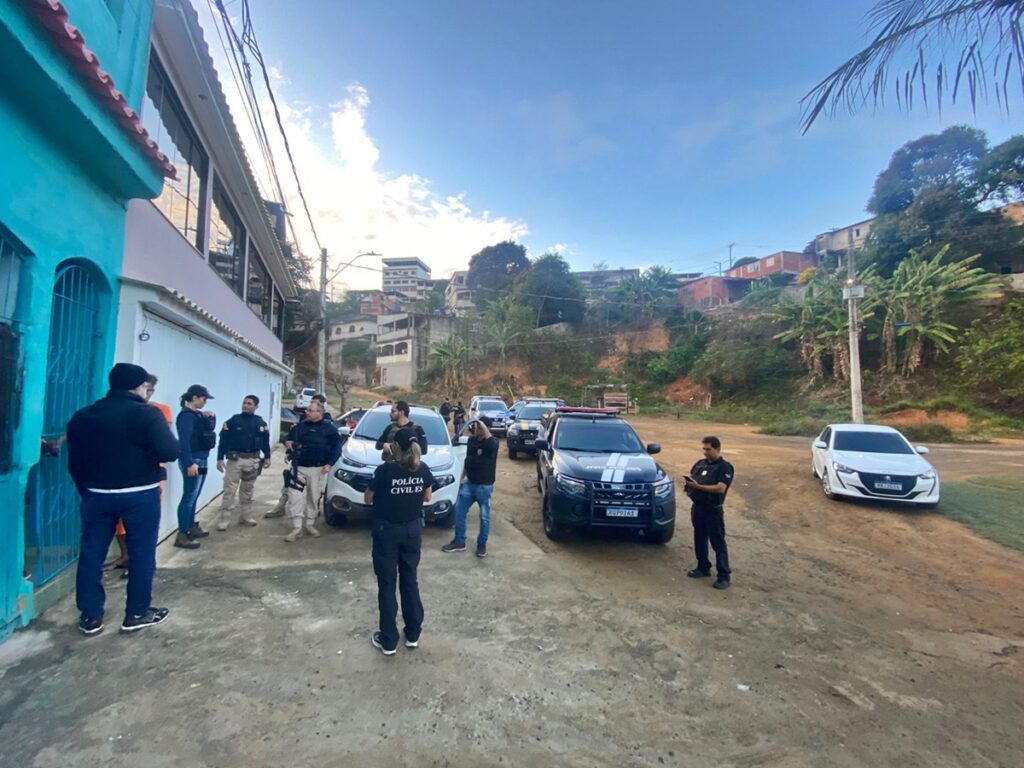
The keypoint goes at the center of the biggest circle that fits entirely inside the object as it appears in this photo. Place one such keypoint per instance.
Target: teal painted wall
(68, 172)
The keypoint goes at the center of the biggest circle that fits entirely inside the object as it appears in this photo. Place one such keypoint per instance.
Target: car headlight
(352, 462)
(664, 488)
(842, 468)
(345, 475)
(442, 481)
(571, 485)
(513, 430)
(929, 475)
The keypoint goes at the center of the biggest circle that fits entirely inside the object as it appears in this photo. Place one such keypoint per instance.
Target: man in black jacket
(399, 419)
(115, 447)
(315, 445)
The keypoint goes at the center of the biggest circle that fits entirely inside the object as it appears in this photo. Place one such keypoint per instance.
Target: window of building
(351, 329)
(227, 239)
(770, 262)
(11, 257)
(278, 316)
(856, 233)
(258, 293)
(183, 199)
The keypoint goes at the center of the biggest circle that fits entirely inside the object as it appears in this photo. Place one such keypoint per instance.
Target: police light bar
(598, 411)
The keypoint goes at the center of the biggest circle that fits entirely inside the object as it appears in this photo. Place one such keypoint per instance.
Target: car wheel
(334, 519)
(552, 529)
(662, 536)
(814, 470)
(540, 483)
(826, 487)
(512, 454)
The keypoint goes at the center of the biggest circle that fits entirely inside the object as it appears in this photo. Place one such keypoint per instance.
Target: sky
(628, 134)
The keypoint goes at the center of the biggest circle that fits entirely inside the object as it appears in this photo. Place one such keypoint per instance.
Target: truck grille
(361, 482)
(871, 482)
(623, 495)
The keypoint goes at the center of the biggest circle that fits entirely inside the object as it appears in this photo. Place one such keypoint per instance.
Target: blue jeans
(100, 513)
(468, 493)
(190, 495)
(396, 555)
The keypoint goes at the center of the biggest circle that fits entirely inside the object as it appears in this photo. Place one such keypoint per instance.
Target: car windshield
(490, 406)
(308, 392)
(534, 412)
(372, 425)
(597, 437)
(871, 442)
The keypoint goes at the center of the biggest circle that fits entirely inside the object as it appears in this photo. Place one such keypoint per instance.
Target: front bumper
(499, 427)
(596, 509)
(522, 442)
(862, 485)
(346, 498)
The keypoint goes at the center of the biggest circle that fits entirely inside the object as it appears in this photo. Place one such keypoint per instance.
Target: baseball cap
(405, 437)
(197, 390)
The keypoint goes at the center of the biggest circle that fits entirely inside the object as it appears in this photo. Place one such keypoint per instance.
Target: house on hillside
(204, 280)
(403, 346)
(780, 263)
(409, 277)
(712, 291)
(340, 333)
(599, 283)
(458, 298)
(72, 154)
(842, 241)
(377, 303)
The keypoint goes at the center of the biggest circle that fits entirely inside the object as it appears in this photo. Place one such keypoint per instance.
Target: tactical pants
(709, 526)
(239, 478)
(303, 504)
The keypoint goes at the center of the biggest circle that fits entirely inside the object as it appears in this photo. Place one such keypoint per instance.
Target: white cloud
(355, 206)
(562, 249)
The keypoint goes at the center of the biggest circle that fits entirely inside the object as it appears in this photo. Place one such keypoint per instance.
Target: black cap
(197, 390)
(405, 437)
(127, 376)
(485, 420)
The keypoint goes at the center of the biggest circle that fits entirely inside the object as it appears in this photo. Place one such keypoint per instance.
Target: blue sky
(630, 133)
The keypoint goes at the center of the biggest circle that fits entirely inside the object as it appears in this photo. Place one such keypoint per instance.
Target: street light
(321, 372)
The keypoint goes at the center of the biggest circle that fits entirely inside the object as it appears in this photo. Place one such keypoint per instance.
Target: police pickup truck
(593, 471)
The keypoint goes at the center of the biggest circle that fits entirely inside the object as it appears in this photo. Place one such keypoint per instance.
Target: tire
(814, 471)
(334, 519)
(553, 530)
(826, 487)
(662, 536)
(540, 483)
(512, 454)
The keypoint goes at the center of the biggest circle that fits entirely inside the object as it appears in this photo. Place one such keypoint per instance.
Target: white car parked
(304, 398)
(351, 475)
(864, 461)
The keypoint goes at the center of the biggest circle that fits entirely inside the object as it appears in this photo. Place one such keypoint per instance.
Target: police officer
(242, 439)
(399, 420)
(707, 484)
(315, 445)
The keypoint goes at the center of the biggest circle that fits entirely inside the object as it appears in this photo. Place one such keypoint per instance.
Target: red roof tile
(53, 16)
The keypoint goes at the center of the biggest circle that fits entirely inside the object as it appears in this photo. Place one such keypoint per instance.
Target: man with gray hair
(315, 445)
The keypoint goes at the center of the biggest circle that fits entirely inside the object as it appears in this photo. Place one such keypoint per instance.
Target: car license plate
(528, 441)
(888, 486)
(622, 512)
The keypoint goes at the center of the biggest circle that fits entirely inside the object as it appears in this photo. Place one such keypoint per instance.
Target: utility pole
(731, 246)
(321, 369)
(852, 293)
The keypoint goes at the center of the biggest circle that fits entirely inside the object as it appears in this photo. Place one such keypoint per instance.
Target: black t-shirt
(481, 458)
(398, 493)
(707, 472)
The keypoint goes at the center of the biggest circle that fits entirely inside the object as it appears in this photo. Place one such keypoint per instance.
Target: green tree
(360, 353)
(652, 291)
(505, 321)
(1001, 172)
(450, 354)
(432, 302)
(552, 291)
(990, 359)
(984, 36)
(494, 270)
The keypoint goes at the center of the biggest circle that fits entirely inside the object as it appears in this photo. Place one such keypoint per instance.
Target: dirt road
(852, 636)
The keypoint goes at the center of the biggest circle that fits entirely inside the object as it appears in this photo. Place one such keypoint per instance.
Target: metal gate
(54, 533)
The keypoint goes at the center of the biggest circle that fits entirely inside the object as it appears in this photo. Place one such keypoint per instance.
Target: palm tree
(450, 353)
(987, 34)
(650, 291)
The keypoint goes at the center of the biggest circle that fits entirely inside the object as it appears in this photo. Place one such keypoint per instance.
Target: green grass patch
(989, 506)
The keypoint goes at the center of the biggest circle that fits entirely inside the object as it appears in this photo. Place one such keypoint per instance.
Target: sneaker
(195, 532)
(182, 540)
(90, 626)
(412, 643)
(222, 525)
(481, 550)
(312, 531)
(250, 521)
(697, 573)
(454, 546)
(276, 512)
(722, 582)
(150, 618)
(375, 639)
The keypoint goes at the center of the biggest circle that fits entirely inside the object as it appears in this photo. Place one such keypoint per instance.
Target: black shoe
(454, 546)
(90, 626)
(195, 532)
(150, 618)
(184, 541)
(697, 573)
(722, 582)
(481, 550)
(375, 639)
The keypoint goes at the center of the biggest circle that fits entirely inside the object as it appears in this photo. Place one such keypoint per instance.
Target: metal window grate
(10, 275)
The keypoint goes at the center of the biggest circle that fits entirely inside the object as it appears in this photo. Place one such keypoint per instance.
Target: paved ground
(853, 635)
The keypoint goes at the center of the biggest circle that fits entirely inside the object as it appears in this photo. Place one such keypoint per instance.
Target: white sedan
(864, 461)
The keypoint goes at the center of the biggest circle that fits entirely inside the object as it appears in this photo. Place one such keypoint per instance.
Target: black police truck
(593, 471)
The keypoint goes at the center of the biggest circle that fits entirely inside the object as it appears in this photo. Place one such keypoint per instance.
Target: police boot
(247, 519)
(295, 534)
(224, 521)
(311, 529)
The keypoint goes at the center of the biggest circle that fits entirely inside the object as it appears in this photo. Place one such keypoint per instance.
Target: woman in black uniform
(397, 492)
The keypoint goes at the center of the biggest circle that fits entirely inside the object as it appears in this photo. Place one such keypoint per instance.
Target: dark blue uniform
(246, 434)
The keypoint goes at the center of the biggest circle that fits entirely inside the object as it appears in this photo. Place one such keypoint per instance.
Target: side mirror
(464, 440)
(922, 449)
(541, 445)
(344, 431)
(653, 448)
(820, 444)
